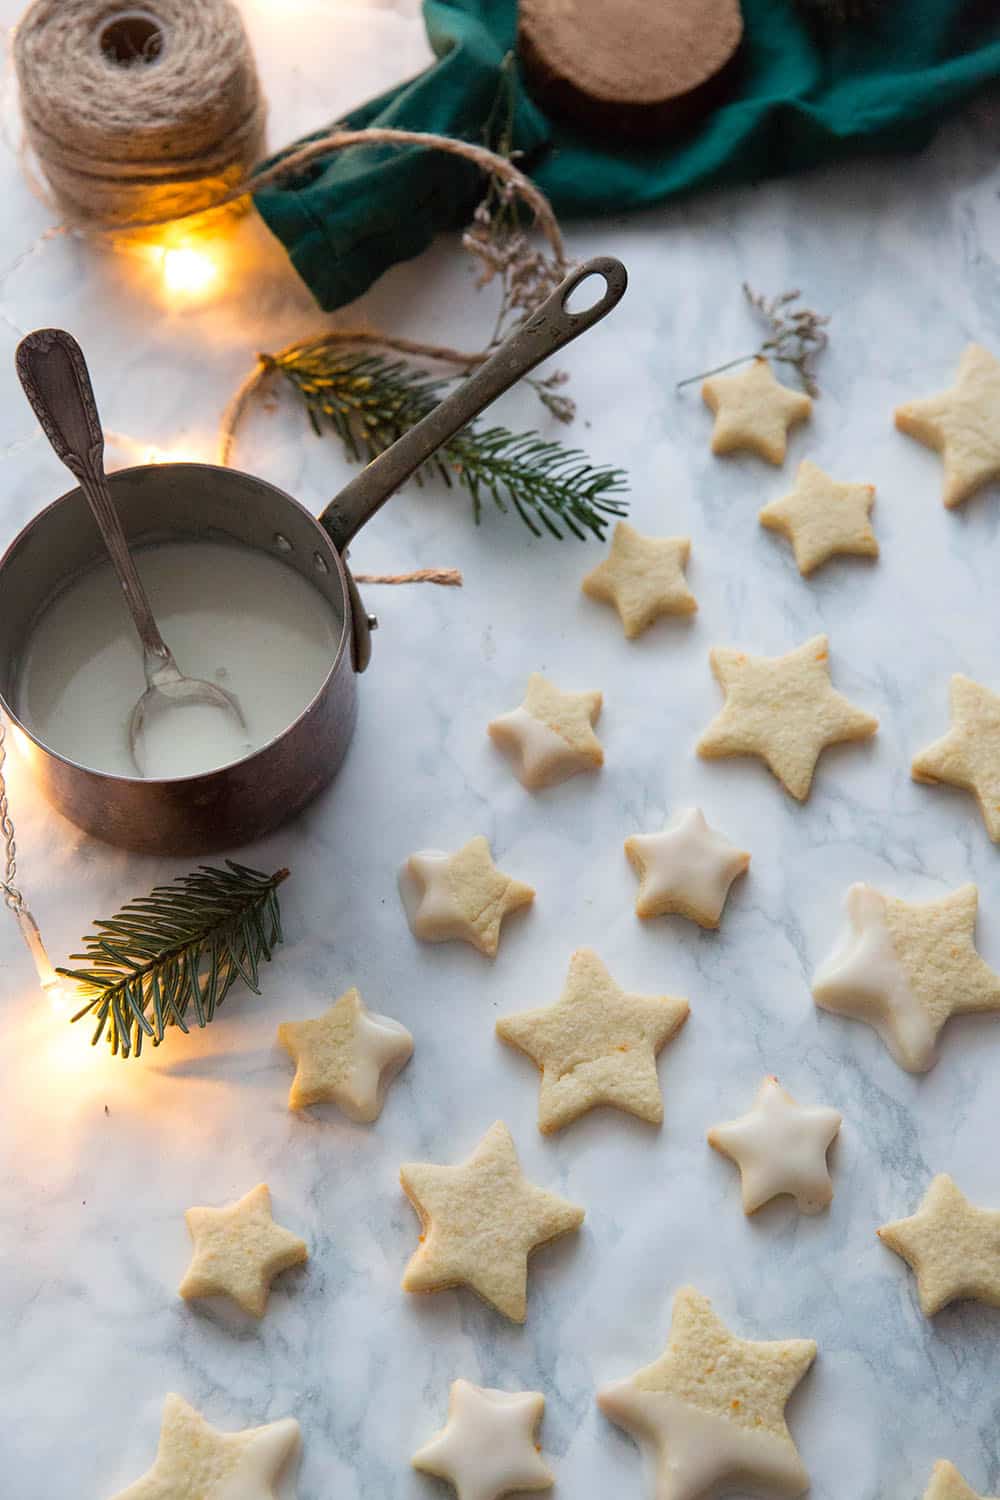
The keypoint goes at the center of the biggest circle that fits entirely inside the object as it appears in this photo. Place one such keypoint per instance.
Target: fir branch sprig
(369, 401)
(797, 336)
(176, 953)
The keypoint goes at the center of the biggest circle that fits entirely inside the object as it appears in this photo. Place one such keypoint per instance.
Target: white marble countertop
(100, 1158)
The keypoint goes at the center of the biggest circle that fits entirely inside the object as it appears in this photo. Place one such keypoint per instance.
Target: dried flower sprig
(498, 239)
(797, 336)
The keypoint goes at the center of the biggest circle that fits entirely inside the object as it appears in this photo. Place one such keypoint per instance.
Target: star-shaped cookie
(968, 756)
(550, 737)
(753, 411)
(712, 1407)
(822, 518)
(780, 1147)
(347, 1057)
(962, 424)
(596, 1045)
(905, 968)
(460, 897)
(946, 1483)
(783, 709)
(238, 1251)
(687, 869)
(643, 577)
(195, 1462)
(480, 1222)
(952, 1247)
(487, 1448)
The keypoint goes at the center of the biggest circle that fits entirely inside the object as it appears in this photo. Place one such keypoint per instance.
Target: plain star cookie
(780, 1147)
(488, 1446)
(481, 1220)
(596, 1045)
(753, 411)
(195, 1462)
(783, 709)
(347, 1057)
(550, 737)
(643, 577)
(968, 756)
(238, 1251)
(905, 968)
(712, 1407)
(952, 1247)
(962, 424)
(686, 870)
(460, 897)
(947, 1484)
(823, 519)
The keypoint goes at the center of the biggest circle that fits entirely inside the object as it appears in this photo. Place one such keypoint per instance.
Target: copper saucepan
(177, 501)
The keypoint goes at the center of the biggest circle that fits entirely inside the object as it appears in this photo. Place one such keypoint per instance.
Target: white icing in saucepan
(230, 614)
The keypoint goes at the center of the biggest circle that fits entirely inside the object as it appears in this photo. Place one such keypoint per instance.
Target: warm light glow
(53, 988)
(59, 998)
(188, 272)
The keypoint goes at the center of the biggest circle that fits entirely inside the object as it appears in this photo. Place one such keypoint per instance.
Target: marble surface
(100, 1159)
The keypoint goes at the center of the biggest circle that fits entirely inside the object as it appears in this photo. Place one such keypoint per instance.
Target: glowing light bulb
(53, 987)
(188, 272)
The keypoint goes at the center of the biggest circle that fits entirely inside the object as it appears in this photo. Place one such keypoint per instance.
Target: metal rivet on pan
(321, 562)
(372, 622)
(282, 543)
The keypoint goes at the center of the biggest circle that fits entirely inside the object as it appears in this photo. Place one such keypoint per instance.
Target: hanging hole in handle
(586, 294)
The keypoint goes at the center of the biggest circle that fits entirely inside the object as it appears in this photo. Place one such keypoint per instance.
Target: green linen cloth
(805, 95)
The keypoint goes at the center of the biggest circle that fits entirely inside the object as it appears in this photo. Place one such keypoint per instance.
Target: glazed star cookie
(685, 870)
(196, 1462)
(460, 897)
(347, 1057)
(238, 1251)
(488, 1446)
(947, 1484)
(968, 756)
(712, 1407)
(753, 411)
(596, 1045)
(481, 1220)
(905, 968)
(550, 737)
(952, 1247)
(823, 519)
(783, 709)
(962, 424)
(643, 577)
(780, 1147)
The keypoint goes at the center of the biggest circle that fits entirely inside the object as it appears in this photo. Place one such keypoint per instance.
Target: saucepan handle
(548, 329)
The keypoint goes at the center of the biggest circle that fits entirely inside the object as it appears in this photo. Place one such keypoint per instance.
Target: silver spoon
(53, 372)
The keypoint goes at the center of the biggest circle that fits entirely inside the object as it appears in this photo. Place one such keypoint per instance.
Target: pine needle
(175, 954)
(369, 401)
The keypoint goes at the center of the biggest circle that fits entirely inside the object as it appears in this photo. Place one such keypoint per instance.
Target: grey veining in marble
(100, 1159)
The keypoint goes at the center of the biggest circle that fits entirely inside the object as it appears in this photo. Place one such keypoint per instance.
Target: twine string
(147, 133)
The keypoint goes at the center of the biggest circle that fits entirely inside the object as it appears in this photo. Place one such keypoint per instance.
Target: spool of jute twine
(139, 113)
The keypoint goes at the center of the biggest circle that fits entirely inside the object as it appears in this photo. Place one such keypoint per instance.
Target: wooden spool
(629, 68)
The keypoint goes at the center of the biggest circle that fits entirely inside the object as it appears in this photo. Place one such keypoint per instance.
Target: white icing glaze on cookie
(688, 868)
(780, 1147)
(487, 1448)
(427, 899)
(698, 1453)
(542, 756)
(864, 978)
